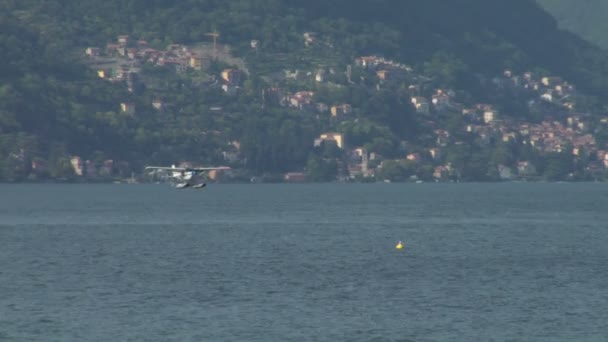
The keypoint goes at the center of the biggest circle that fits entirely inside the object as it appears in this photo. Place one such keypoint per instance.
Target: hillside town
(561, 129)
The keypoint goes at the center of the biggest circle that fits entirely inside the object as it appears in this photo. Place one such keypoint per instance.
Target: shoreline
(296, 183)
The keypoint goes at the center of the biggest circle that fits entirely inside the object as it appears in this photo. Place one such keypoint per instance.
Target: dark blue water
(482, 262)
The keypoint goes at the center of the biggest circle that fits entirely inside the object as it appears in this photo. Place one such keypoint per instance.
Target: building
(123, 40)
(525, 168)
(127, 108)
(158, 104)
(490, 116)
(338, 138)
(107, 169)
(230, 89)
(441, 100)
(91, 169)
(301, 99)
(435, 153)
(551, 81)
(231, 76)
(320, 75)
(295, 177)
(77, 165)
(196, 62)
(383, 75)
(341, 110)
(415, 157)
(422, 104)
(505, 172)
(309, 38)
(441, 172)
(92, 51)
(321, 107)
(368, 61)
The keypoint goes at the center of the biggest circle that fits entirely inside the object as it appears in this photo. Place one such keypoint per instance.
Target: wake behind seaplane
(185, 177)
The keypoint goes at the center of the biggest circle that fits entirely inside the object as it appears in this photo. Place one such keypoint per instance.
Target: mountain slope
(48, 102)
(49, 96)
(585, 18)
(489, 35)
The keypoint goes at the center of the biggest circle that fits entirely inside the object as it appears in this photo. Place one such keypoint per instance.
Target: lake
(314, 262)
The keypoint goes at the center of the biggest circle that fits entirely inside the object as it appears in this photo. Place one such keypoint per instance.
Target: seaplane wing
(186, 169)
(165, 168)
(211, 168)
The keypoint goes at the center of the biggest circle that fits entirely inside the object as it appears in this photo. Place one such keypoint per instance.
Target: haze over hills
(585, 18)
(392, 78)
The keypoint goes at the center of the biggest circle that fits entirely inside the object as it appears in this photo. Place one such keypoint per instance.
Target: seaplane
(185, 177)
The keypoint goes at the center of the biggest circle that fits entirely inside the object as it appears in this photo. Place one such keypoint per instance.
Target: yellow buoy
(399, 245)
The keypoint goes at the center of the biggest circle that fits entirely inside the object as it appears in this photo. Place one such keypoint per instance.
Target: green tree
(321, 170)
(558, 166)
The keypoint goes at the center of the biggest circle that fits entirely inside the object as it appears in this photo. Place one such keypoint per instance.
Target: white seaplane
(185, 177)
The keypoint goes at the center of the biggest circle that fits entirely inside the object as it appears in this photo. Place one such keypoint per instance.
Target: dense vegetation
(585, 18)
(53, 106)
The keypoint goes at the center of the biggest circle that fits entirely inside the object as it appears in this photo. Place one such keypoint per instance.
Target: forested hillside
(585, 18)
(54, 103)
